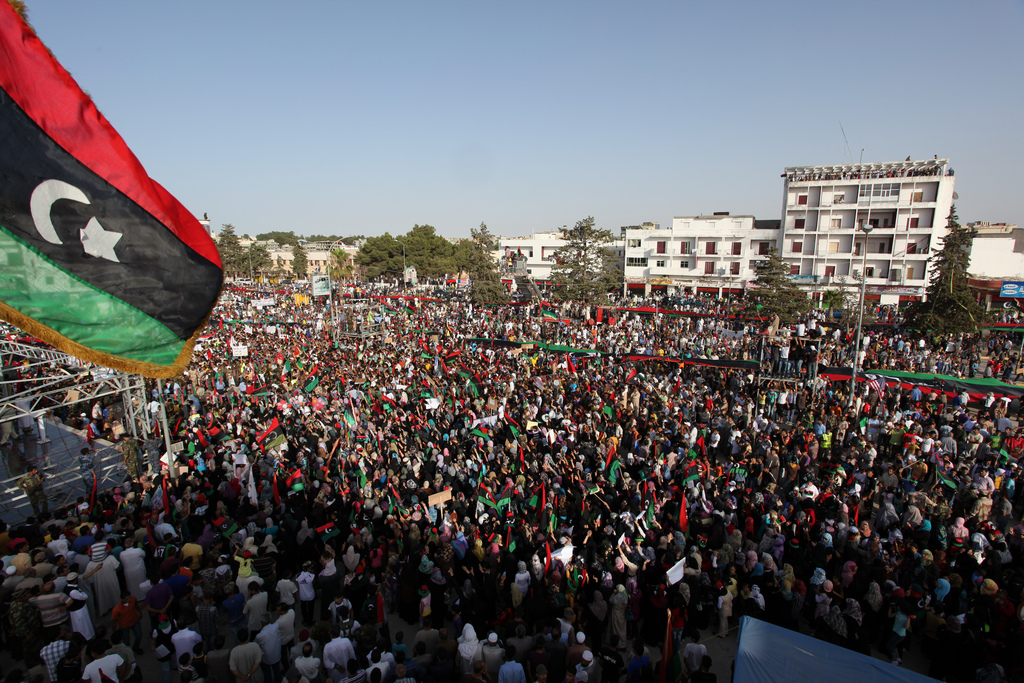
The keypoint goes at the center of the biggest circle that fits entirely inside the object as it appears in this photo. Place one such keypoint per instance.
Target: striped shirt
(49, 606)
(99, 551)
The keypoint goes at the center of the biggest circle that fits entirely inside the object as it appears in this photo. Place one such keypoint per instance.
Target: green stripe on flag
(35, 286)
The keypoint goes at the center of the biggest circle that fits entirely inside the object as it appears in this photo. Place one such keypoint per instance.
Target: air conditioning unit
(895, 274)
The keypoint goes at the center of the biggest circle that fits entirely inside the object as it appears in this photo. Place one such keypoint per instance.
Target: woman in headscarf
(470, 650)
(854, 616)
(848, 574)
(959, 532)
(597, 614)
(873, 614)
(522, 578)
(837, 631)
(617, 624)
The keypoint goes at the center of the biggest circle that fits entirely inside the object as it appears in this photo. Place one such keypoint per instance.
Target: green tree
(428, 251)
(351, 240)
(586, 264)
(259, 258)
(486, 284)
(279, 236)
(950, 307)
(775, 293)
(300, 262)
(381, 257)
(232, 256)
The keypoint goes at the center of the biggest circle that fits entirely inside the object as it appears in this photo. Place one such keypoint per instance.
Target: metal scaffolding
(38, 382)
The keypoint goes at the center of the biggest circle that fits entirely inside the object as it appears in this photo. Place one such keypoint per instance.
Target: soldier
(32, 485)
(130, 450)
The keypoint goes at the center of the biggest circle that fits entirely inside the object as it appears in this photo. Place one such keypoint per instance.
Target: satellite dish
(956, 196)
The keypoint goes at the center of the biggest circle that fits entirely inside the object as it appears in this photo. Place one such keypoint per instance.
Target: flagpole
(172, 466)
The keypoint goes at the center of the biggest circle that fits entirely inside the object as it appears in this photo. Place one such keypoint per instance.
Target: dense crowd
(444, 501)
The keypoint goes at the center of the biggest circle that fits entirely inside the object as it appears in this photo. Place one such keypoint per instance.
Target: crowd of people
(481, 494)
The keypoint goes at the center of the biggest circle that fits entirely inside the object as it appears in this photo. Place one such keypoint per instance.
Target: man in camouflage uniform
(130, 450)
(32, 485)
(26, 623)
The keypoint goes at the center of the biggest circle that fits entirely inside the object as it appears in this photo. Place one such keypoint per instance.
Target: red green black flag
(96, 258)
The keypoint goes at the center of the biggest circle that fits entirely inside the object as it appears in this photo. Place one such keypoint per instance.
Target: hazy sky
(324, 116)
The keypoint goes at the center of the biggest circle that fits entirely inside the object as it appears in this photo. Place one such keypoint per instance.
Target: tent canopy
(772, 654)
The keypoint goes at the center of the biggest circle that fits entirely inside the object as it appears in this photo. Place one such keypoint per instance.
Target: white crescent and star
(96, 240)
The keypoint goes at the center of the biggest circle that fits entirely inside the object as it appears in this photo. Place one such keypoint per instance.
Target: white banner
(240, 351)
(321, 285)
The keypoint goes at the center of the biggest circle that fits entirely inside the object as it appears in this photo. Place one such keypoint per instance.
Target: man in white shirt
(307, 664)
(286, 625)
(112, 666)
(183, 641)
(336, 655)
(269, 640)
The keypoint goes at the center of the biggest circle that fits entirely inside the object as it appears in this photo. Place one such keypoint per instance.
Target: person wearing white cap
(493, 654)
(575, 653)
(80, 620)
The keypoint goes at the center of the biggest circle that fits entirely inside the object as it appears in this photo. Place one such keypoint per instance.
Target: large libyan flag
(96, 258)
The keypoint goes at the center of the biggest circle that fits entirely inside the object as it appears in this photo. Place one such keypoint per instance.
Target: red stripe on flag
(41, 87)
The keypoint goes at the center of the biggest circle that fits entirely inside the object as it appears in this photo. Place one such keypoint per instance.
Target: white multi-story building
(997, 254)
(905, 203)
(714, 254)
(538, 250)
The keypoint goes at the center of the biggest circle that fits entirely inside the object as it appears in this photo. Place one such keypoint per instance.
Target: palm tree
(832, 299)
(341, 266)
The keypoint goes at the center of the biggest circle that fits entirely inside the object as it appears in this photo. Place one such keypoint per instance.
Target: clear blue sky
(324, 116)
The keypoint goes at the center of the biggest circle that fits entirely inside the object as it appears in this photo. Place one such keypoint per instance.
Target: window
(661, 248)
(636, 262)
(737, 248)
(633, 244)
(798, 224)
(830, 271)
(912, 223)
(709, 268)
(857, 247)
(734, 268)
(833, 247)
(798, 247)
(659, 264)
(836, 223)
(794, 270)
(711, 248)
(890, 191)
(684, 264)
(839, 198)
(684, 248)
(763, 247)
(869, 271)
(910, 272)
(802, 200)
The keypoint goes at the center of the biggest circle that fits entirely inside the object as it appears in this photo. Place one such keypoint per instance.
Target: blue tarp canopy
(771, 654)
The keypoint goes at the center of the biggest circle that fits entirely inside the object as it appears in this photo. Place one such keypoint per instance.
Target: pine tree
(231, 253)
(774, 293)
(950, 307)
(300, 262)
(483, 269)
(586, 264)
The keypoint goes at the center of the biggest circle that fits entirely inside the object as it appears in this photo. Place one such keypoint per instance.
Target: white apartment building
(997, 254)
(906, 203)
(708, 254)
(538, 250)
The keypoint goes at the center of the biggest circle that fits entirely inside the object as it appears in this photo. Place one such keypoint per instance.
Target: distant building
(906, 203)
(997, 254)
(699, 254)
(538, 250)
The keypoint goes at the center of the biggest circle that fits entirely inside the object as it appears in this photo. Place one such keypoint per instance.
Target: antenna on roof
(848, 151)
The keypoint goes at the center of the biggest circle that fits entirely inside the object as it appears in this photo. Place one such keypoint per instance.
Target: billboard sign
(1012, 289)
(321, 285)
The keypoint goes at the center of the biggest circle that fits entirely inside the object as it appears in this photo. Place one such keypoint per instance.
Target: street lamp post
(405, 268)
(866, 229)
